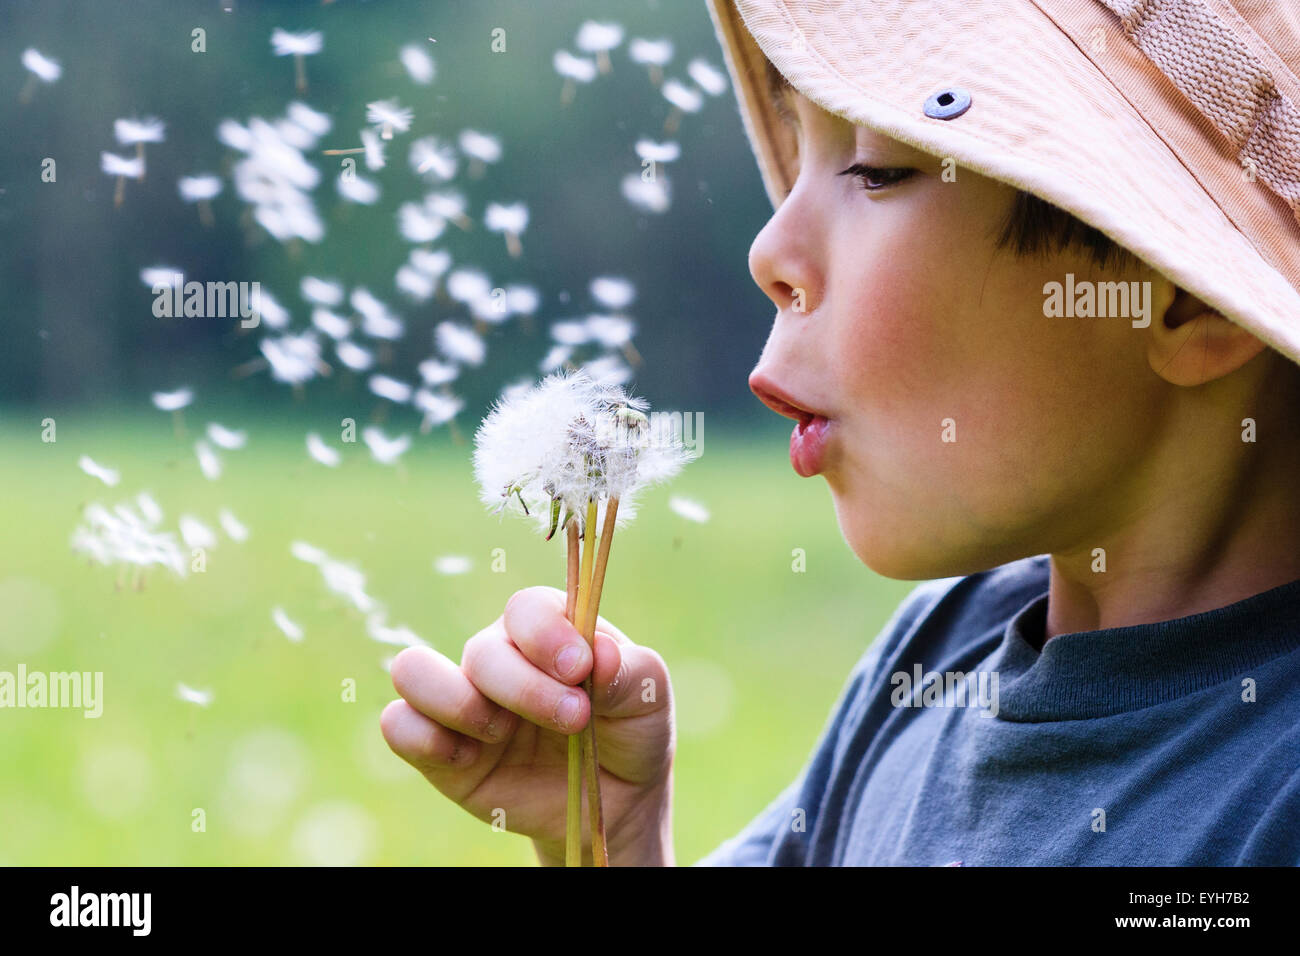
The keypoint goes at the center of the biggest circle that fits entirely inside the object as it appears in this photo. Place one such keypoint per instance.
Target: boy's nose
(783, 258)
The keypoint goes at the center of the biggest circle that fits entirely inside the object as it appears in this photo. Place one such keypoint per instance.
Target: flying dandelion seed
(353, 188)
(373, 147)
(688, 509)
(137, 132)
(43, 70)
(649, 150)
(570, 333)
(307, 552)
(235, 529)
(389, 116)
(126, 538)
(511, 220)
(433, 264)
(417, 224)
(383, 449)
(448, 205)
(287, 627)
(226, 438)
(438, 409)
(481, 149)
(599, 38)
(452, 564)
(684, 99)
(321, 291)
(378, 629)
(149, 508)
(321, 452)
(297, 45)
(431, 158)
(158, 275)
(608, 370)
(124, 168)
(293, 359)
(466, 285)
(377, 319)
(108, 476)
(331, 323)
(195, 533)
(434, 372)
(209, 464)
(200, 190)
(555, 358)
(654, 54)
(414, 283)
(459, 343)
(308, 119)
(419, 65)
(354, 356)
(173, 402)
(188, 694)
(613, 292)
(390, 388)
(575, 70)
(651, 196)
(707, 77)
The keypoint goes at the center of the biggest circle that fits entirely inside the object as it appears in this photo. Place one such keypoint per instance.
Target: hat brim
(1043, 118)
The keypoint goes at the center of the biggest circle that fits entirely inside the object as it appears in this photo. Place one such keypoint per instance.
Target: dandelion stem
(580, 615)
(599, 852)
(573, 821)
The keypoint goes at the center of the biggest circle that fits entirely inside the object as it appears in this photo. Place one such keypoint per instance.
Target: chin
(911, 553)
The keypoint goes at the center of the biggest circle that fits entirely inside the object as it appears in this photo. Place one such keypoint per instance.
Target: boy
(1104, 664)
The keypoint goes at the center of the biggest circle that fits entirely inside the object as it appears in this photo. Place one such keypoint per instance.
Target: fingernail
(567, 660)
(569, 710)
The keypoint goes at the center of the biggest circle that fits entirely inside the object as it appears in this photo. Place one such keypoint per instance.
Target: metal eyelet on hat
(948, 103)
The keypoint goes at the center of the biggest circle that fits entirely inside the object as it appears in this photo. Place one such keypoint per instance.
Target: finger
(629, 680)
(425, 744)
(534, 622)
(436, 687)
(499, 670)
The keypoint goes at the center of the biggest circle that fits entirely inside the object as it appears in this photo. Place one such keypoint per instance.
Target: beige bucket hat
(1173, 126)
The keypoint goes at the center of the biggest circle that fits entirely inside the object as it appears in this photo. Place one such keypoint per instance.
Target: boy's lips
(809, 438)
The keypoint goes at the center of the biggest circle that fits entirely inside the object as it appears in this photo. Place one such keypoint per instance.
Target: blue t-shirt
(957, 741)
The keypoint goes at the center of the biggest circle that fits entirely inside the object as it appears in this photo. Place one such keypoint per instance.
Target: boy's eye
(874, 178)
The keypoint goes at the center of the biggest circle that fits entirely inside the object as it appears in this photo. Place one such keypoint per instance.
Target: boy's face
(915, 328)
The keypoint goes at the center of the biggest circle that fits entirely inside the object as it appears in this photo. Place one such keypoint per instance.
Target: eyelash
(865, 173)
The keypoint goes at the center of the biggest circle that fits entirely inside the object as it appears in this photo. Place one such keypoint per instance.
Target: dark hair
(1034, 226)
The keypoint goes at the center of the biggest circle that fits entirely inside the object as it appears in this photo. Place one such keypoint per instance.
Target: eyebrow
(778, 89)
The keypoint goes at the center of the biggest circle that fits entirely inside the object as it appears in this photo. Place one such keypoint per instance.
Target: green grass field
(283, 768)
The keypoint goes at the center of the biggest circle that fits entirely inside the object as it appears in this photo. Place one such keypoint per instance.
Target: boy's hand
(492, 734)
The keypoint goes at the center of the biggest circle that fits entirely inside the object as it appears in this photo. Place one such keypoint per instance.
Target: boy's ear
(1194, 344)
